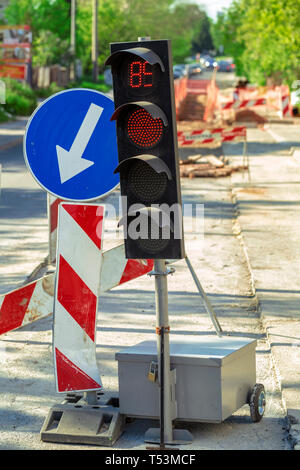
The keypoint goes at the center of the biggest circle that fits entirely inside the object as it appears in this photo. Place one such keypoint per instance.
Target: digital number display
(140, 74)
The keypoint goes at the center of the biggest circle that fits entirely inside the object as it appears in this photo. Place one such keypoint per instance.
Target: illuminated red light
(138, 75)
(143, 129)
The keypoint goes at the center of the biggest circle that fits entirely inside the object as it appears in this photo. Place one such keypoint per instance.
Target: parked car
(194, 69)
(208, 62)
(179, 70)
(177, 74)
(225, 66)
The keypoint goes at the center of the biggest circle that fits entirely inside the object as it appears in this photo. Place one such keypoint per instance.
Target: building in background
(15, 51)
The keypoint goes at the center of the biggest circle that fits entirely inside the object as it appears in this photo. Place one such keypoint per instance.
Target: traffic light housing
(147, 147)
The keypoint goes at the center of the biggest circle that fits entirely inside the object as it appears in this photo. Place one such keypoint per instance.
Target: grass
(20, 99)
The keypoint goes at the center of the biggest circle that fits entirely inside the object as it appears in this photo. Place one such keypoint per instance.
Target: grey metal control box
(214, 377)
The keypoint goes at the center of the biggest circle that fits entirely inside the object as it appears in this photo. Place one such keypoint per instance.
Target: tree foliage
(202, 41)
(264, 38)
(119, 20)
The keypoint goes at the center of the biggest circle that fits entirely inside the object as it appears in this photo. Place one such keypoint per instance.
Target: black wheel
(257, 402)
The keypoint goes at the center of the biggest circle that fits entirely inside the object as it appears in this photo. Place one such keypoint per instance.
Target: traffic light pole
(163, 350)
(167, 378)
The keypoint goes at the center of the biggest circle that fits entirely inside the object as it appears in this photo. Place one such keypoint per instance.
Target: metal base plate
(83, 424)
(180, 437)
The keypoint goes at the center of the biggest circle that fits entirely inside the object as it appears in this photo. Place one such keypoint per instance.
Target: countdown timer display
(139, 77)
(140, 74)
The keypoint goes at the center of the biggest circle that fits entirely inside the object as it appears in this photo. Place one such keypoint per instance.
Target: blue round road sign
(70, 145)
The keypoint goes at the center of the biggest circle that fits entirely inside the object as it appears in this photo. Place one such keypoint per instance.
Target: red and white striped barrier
(237, 104)
(285, 106)
(199, 133)
(211, 100)
(205, 136)
(35, 300)
(26, 304)
(180, 90)
(277, 97)
(117, 269)
(53, 204)
(76, 297)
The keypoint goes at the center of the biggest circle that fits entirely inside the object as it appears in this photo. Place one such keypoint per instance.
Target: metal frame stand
(167, 378)
(207, 304)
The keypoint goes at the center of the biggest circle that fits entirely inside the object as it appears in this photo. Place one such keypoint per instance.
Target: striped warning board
(53, 204)
(76, 296)
(237, 104)
(26, 304)
(208, 136)
(35, 300)
(285, 106)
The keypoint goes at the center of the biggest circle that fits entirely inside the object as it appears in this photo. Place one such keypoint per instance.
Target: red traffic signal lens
(143, 130)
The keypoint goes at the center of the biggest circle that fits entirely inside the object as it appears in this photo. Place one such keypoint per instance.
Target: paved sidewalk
(269, 216)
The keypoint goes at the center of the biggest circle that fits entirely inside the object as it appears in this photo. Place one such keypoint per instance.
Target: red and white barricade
(277, 97)
(241, 104)
(53, 204)
(180, 90)
(285, 106)
(26, 304)
(35, 300)
(208, 136)
(76, 296)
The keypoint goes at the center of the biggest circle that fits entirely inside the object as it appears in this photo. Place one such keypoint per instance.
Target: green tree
(50, 15)
(263, 36)
(50, 49)
(225, 33)
(119, 20)
(50, 24)
(202, 41)
(271, 31)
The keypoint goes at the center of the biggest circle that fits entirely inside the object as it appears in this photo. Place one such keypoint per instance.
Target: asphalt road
(23, 212)
(127, 316)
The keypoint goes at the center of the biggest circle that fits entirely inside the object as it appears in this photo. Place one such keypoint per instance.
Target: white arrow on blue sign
(70, 145)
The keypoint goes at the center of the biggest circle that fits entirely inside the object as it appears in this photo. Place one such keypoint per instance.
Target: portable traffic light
(147, 147)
